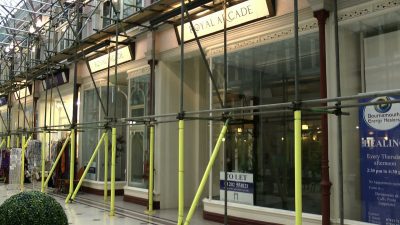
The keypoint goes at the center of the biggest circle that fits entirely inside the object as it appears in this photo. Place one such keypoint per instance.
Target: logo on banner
(380, 160)
(384, 116)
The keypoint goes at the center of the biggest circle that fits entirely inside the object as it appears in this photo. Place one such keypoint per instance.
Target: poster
(240, 187)
(380, 161)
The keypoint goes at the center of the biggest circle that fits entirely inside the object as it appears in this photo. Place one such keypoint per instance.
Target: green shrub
(32, 208)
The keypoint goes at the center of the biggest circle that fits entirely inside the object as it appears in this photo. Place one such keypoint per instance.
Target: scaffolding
(40, 39)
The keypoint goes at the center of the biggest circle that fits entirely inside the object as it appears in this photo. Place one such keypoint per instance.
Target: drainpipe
(321, 16)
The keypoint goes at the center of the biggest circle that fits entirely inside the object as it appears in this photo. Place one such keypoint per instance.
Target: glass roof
(9, 7)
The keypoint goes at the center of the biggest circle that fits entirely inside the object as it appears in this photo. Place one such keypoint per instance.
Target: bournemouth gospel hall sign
(235, 15)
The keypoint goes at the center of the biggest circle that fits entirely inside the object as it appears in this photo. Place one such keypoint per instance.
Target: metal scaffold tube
(181, 124)
(71, 165)
(92, 158)
(8, 141)
(339, 122)
(151, 171)
(106, 166)
(113, 156)
(3, 142)
(56, 161)
(297, 167)
(22, 176)
(43, 160)
(297, 124)
(181, 172)
(206, 173)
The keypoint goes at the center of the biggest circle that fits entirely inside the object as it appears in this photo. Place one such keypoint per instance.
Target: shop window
(90, 137)
(259, 147)
(138, 106)
(369, 62)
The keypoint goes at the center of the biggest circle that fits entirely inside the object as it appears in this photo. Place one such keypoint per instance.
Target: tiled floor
(91, 210)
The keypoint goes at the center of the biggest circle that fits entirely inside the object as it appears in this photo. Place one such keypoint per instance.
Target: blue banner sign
(56, 79)
(380, 161)
(3, 100)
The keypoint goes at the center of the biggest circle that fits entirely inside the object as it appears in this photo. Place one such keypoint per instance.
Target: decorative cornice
(287, 32)
(138, 71)
(366, 9)
(305, 26)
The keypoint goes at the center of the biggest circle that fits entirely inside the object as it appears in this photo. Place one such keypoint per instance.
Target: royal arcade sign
(238, 14)
(101, 63)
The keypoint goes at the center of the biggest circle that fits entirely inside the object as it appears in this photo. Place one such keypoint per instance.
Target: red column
(321, 16)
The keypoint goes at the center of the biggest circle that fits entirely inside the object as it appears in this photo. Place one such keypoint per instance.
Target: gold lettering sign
(100, 63)
(238, 14)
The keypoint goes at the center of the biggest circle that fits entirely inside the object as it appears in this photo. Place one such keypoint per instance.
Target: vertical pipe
(113, 155)
(23, 163)
(43, 161)
(71, 165)
(339, 122)
(106, 166)
(151, 169)
(116, 65)
(322, 16)
(17, 140)
(181, 156)
(297, 56)
(181, 172)
(297, 122)
(297, 166)
(210, 136)
(2, 142)
(56, 161)
(224, 105)
(9, 141)
(206, 174)
(92, 158)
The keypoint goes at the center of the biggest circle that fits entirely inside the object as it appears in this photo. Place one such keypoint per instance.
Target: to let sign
(240, 187)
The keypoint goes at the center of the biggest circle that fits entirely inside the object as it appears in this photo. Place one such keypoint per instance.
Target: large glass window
(261, 146)
(92, 112)
(138, 106)
(369, 62)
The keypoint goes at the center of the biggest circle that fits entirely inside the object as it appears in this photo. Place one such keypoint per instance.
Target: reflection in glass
(139, 101)
(262, 144)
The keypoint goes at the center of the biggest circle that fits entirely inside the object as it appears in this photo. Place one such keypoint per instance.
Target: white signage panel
(235, 15)
(240, 187)
(100, 63)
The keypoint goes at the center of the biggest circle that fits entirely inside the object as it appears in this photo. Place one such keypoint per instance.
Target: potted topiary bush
(32, 208)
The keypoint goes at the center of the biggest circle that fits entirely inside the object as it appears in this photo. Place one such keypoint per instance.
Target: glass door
(138, 134)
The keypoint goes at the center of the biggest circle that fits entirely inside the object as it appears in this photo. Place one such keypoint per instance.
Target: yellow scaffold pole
(57, 159)
(106, 167)
(206, 174)
(88, 166)
(43, 161)
(22, 176)
(24, 146)
(71, 165)
(8, 142)
(181, 172)
(3, 142)
(17, 140)
(27, 141)
(297, 166)
(151, 171)
(113, 155)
